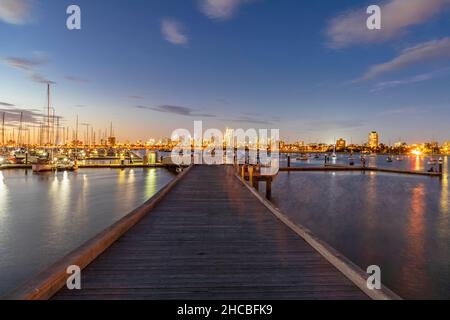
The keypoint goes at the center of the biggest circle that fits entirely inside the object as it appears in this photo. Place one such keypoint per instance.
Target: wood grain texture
(210, 238)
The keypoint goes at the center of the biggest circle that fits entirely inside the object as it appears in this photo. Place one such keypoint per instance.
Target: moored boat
(43, 165)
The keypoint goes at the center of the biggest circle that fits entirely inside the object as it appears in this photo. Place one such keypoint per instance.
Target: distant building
(373, 140)
(111, 141)
(446, 147)
(400, 144)
(341, 144)
(229, 140)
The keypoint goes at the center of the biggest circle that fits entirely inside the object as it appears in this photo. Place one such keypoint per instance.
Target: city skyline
(309, 70)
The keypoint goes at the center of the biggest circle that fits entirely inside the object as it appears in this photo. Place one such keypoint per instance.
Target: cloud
(136, 97)
(182, 111)
(402, 111)
(5, 104)
(76, 79)
(223, 101)
(12, 115)
(424, 52)
(411, 80)
(250, 120)
(329, 125)
(25, 63)
(15, 11)
(29, 65)
(173, 32)
(38, 78)
(254, 118)
(397, 16)
(221, 9)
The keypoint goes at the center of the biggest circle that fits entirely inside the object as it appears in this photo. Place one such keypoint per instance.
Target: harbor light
(417, 152)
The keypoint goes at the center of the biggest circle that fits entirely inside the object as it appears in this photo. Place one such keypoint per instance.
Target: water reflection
(415, 243)
(399, 222)
(44, 216)
(3, 197)
(150, 182)
(444, 194)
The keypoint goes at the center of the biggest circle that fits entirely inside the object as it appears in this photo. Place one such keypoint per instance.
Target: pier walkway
(211, 238)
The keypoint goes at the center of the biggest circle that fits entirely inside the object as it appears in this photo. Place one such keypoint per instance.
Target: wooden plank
(211, 238)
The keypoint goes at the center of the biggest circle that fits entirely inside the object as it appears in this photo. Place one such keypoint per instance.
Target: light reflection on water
(45, 216)
(399, 222)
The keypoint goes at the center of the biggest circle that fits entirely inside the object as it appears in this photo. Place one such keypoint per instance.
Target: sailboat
(303, 157)
(433, 161)
(334, 155)
(352, 156)
(44, 162)
(43, 165)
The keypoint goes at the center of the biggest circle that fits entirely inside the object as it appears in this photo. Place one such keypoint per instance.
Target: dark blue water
(399, 222)
(43, 217)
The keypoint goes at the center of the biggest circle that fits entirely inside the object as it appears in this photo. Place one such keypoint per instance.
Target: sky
(309, 68)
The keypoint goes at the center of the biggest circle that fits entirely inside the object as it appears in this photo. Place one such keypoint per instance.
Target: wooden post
(250, 175)
(255, 183)
(243, 172)
(289, 161)
(440, 168)
(269, 188)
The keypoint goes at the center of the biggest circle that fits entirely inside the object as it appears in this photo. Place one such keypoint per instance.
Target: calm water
(399, 222)
(45, 216)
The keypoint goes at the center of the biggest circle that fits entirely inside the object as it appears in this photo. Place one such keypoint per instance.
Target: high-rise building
(373, 139)
(341, 144)
(228, 139)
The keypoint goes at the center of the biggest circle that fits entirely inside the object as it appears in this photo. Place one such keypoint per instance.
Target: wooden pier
(99, 166)
(207, 235)
(342, 168)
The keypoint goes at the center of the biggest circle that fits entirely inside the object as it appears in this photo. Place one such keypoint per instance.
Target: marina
(216, 248)
(45, 216)
(135, 176)
(208, 151)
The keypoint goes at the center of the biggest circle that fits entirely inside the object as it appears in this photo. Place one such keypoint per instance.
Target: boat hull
(42, 167)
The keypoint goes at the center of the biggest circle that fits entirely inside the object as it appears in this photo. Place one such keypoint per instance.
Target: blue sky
(309, 68)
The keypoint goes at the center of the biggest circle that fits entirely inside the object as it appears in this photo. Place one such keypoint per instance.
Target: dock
(342, 168)
(99, 166)
(205, 236)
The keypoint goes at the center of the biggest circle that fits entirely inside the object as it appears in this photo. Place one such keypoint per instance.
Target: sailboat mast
(19, 135)
(76, 133)
(3, 129)
(57, 131)
(48, 112)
